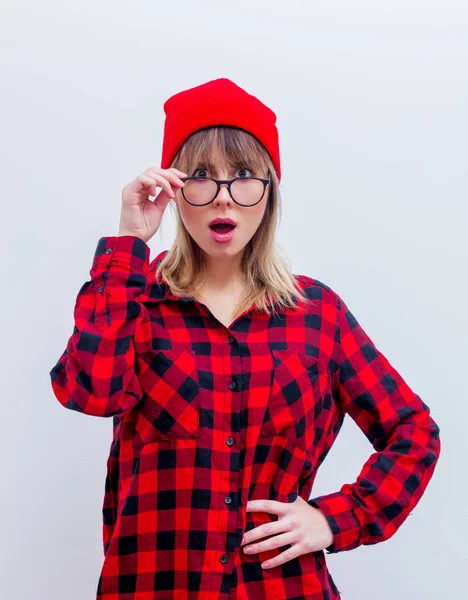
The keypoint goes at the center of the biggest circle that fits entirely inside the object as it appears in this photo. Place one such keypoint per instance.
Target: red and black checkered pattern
(207, 417)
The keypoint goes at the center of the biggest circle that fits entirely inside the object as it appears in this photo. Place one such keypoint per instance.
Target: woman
(228, 379)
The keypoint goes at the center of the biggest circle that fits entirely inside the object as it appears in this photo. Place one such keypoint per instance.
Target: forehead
(221, 159)
(226, 159)
(215, 161)
(216, 167)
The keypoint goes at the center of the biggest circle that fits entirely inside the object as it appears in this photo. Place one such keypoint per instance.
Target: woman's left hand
(299, 524)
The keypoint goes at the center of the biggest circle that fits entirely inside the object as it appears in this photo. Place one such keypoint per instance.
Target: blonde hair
(269, 281)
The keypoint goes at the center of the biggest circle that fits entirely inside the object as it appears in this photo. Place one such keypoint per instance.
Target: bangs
(224, 146)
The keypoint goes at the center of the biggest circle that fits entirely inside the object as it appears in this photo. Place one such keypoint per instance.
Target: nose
(223, 194)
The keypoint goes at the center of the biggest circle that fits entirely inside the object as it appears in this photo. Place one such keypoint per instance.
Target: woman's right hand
(140, 216)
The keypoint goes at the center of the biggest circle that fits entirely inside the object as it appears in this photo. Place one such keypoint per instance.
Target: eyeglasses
(245, 191)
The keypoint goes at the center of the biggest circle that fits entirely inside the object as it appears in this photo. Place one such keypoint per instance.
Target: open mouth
(222, 227)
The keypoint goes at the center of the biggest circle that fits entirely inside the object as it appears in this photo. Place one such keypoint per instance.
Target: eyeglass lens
(245, 191)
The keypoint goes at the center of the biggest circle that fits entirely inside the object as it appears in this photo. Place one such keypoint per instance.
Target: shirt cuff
(127, 252)
(119, 276)
(342, 519)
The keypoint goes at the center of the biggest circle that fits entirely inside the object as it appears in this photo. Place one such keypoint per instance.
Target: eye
(243, 169)
(200, 169)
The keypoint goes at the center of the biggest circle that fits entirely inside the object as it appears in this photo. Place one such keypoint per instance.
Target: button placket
(101, 319)
(229, 441)
(101, 288)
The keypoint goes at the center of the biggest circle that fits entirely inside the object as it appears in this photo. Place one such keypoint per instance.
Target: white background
(371, 99)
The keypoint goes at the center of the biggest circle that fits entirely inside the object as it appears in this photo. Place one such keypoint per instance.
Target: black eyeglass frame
(229, 183)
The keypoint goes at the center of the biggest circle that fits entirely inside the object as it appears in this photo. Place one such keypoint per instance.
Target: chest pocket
(170, 405)
(299, 385)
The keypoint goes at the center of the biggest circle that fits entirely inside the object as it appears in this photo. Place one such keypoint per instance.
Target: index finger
(178, 171)
(267, 505)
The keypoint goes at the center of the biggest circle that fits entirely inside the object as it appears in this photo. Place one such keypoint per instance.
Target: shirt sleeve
(96, 373)
(399, 426)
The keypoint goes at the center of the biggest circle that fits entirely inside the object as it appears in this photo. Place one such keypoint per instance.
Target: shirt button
(109, 250)
(230, 340)
(232, 385)
(228, 499)
(101, 288)
(223, 558)
(230, 441)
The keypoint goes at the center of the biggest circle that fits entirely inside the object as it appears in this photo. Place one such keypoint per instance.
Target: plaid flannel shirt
(207, 417)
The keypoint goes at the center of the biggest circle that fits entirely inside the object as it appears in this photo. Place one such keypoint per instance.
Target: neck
(224, 275)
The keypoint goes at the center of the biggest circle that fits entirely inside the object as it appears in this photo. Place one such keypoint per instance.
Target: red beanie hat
(217, 102)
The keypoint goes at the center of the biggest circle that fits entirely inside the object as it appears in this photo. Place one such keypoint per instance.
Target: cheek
(190, 216)
(255, 218)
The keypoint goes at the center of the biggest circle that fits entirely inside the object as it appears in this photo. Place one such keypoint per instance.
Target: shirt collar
(158, 291)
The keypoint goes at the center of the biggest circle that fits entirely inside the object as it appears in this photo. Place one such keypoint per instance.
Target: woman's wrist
(123, 233)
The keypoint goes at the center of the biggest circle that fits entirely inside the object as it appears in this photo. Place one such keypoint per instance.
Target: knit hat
(217, 102)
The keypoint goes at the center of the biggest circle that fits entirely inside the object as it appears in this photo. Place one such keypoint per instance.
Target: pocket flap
(295, 396)
(169, 407)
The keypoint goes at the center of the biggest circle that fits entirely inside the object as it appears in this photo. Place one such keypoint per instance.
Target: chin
(216, 250)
